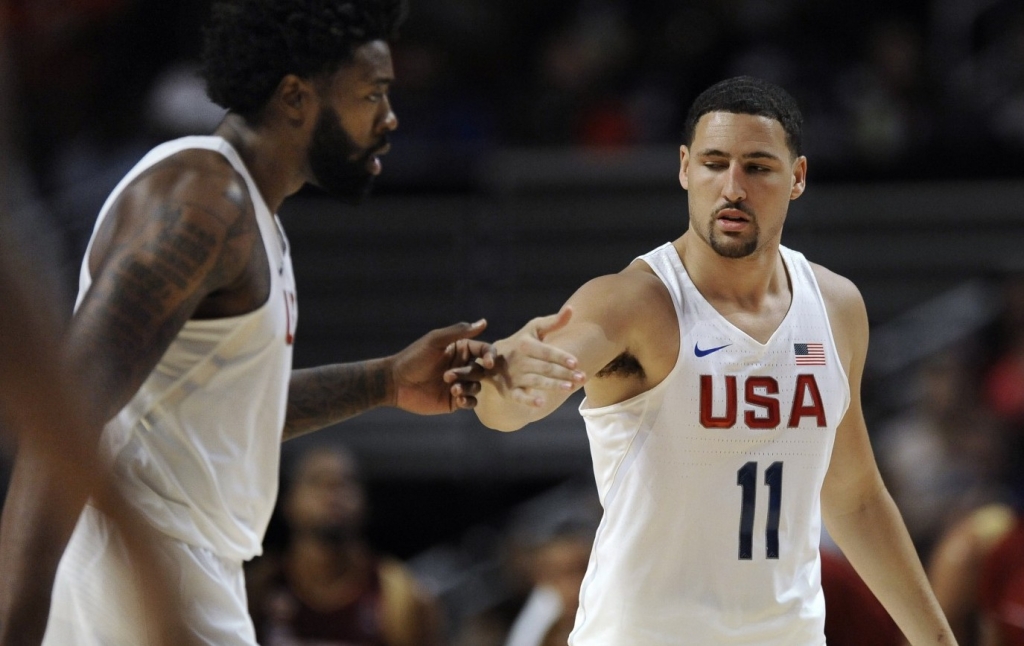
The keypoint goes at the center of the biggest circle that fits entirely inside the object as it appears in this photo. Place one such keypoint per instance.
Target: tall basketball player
(185, 321)
(725, 421)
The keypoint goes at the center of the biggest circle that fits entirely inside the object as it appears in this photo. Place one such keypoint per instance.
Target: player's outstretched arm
(593, 328)
(857, 508)
(412, 380)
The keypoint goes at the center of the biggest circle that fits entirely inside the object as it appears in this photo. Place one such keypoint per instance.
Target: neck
(747, 282)
(274, 165)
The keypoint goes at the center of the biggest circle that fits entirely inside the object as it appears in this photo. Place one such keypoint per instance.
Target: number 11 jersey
(711, 481)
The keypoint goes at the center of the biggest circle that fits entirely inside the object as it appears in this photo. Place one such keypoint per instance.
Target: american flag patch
(809, 354)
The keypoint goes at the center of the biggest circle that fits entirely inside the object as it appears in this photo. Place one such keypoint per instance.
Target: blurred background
(538, 148)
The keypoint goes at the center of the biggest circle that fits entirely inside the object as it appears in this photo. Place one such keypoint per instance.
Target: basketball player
(186, 316)
(725, 422)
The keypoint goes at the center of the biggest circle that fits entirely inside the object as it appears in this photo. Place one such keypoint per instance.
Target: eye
(376, 97)
(715, 165)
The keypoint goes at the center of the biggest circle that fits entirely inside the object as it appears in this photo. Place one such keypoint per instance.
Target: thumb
(548, 324)
(452, 333)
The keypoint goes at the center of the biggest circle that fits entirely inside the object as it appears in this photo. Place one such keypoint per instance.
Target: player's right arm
(173, 239)
(598, 323)
(174, 246)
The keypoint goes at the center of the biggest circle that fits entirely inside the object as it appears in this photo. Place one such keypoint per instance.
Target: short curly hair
(250, 45)
(748, 95)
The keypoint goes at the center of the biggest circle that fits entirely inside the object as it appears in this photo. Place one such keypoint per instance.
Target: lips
(733, 215)
(732, 220)
(373, 164)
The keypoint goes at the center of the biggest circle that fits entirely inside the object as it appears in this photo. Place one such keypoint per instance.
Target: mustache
(378, 146)
(739, 206)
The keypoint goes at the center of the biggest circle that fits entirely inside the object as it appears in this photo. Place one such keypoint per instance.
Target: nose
(389, 122)
(733, 190)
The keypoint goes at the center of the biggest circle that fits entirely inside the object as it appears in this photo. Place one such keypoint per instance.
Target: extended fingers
(558, 361)
(547, 378)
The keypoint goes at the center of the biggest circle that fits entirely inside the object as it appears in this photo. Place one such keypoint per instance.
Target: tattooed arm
(411, 380)
(178, 243)
(181, 242)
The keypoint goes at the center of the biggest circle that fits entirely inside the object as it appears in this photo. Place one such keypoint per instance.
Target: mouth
(373, 164)
(732, 220)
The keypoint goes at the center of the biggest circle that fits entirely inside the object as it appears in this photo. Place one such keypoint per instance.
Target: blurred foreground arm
(56, 468)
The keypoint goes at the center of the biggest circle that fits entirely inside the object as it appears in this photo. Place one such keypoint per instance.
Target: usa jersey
(197, 448)
(711, 481)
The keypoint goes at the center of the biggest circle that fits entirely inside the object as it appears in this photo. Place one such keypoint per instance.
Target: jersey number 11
(746, 478)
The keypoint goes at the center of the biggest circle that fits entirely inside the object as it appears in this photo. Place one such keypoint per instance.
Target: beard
(338, 164)
(734, 246)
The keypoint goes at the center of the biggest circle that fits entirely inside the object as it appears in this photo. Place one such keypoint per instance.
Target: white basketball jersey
(198, 447)
(711, 481)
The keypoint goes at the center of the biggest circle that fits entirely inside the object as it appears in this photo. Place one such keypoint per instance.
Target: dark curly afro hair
(250, 45)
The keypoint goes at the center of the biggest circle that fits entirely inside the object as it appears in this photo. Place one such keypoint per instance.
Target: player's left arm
(857, 509)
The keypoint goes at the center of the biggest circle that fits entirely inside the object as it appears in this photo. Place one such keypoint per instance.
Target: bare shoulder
(841, 296)
(635, 313)
(193, 193)
(846, 312)
(202, 178)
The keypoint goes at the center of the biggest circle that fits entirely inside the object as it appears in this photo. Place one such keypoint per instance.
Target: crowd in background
(898, 89)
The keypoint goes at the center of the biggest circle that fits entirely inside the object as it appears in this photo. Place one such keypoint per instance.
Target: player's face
(351, 131)
(740, 176)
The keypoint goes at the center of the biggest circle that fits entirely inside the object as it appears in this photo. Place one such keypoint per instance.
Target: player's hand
(419, 369)
(524, 367)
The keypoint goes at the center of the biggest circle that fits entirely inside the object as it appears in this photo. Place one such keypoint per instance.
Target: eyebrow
(757, 154)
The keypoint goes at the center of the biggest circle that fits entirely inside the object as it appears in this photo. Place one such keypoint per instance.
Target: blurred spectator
(329, 586)
(542, 559)
(886, 97)
(1003, 382)
(558, 564)
(956, 568)
(1001, 590)
(944, 456)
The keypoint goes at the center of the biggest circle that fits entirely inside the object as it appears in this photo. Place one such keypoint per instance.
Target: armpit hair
(624, 365)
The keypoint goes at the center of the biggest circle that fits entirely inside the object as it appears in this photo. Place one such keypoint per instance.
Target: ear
(297, 100)
(799, 178)
(684, 166)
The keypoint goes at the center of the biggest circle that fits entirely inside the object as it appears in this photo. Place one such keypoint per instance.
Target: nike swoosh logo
(703, 353)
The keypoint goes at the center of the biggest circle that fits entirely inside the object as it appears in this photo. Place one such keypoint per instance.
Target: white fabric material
(197, 449)
(666, 567)
(103, 608)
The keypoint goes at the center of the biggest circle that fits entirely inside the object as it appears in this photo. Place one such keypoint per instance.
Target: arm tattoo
(146, 295)
(320, 397)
